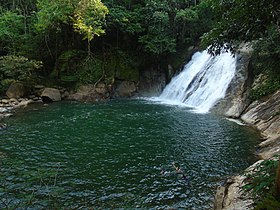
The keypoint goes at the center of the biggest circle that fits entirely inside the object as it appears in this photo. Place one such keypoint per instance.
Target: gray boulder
(51, 95)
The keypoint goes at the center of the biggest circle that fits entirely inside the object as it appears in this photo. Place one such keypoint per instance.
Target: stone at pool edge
(50, 95)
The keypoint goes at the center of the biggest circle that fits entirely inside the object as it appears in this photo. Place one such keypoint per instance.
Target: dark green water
(112, 155)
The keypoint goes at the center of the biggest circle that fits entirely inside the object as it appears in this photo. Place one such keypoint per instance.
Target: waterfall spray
(203, 81)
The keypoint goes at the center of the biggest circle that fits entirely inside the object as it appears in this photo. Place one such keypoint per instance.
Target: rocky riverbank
(14, 99)
(7, 106)
(264, 115)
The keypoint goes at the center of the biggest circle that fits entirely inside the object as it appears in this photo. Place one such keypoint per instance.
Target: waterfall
(203, 81)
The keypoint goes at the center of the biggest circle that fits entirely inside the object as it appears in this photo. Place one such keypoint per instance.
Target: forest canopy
(108, 34)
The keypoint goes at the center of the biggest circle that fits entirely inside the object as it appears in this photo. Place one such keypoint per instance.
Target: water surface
(118, 154)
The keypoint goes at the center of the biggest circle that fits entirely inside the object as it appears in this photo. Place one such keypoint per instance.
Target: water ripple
(119, 155)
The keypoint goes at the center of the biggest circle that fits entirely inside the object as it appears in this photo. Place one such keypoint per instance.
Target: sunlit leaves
(18, 67)
(86, 16)
(89, 18)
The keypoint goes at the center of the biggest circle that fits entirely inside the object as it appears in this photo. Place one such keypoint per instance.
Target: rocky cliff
(264, 115)
(237, 96)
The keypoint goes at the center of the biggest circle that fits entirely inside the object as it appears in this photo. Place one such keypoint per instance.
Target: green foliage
(158, 43)
(86, 16)
(52, 14)
(261, 180)
(264, 89)
(267, 53)
(265, 60)
(90, 71)
(128, 21)
(268, 203)
(47, 29)
(160, 27)
(241, 21)
(18, 68)
(11, 31)
(89, 18)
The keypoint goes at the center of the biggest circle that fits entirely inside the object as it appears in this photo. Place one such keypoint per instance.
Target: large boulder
(16, 90)
(50, 95)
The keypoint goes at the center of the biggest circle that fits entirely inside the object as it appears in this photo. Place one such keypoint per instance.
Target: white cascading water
(203, 81)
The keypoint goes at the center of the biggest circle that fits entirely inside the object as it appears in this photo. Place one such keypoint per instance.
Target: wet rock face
(152, 82)
(125, 89)
(231, 196)
(237, 97)
(265, 116)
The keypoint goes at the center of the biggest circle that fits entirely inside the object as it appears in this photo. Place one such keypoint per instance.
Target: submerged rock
(2, 126)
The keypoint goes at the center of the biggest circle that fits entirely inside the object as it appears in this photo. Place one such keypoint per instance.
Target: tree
(89, 18)
(241, 21)
(85, 16)
(11, 31)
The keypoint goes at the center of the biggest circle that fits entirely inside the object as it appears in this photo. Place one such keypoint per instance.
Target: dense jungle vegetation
(70, 42)
(81, 41)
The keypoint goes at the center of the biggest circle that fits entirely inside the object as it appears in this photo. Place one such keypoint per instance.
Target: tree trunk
(88, 46)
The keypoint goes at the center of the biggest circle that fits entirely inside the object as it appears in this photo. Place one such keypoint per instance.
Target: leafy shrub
(268, 203)
(18, 68)
(264, 89)
(11, 31)
(261, 180)
(265, 60)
